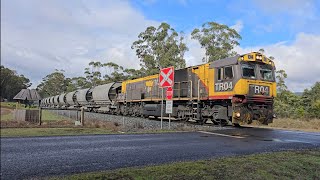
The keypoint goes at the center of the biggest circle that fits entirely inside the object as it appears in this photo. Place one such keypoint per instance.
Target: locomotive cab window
(220, 74)
(266, 72)
(225, 73)
(248, 71)
(228, 73)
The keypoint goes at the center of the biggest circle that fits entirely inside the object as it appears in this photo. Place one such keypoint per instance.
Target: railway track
(149, 123)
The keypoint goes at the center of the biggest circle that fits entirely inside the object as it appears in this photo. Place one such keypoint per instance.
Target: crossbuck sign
(166, 77)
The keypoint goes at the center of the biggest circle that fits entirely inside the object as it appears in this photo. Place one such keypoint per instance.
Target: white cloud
(303, 8)
(299, 59)
(238, 26)
(40, 36)
(285, 16)
(195, 54)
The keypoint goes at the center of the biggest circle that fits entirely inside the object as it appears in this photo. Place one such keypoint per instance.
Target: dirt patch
(60, 124)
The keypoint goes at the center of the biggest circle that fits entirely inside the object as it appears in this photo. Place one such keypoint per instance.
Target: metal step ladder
(195, 110)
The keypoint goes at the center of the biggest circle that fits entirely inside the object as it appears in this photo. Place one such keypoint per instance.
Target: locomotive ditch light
(237, 114)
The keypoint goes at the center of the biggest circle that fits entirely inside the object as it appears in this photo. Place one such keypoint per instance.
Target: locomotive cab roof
(249, 57)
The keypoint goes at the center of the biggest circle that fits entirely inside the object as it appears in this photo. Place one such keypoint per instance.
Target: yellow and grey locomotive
(234, 90)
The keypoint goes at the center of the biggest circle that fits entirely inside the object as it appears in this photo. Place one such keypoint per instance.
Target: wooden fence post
(82, 116)
(40, 116)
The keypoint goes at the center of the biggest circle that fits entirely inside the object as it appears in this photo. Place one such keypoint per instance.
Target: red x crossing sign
(166, 77)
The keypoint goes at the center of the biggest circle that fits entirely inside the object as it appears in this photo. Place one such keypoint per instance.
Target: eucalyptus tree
(218, 40)
(53, 84)
(311, 100)
(281, 75)
(114, 73)
(160, 47)
(93, 73)
(11, 83)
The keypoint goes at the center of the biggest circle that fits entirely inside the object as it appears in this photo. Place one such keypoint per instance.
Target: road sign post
(161, 107)
(169, 120)
(169, 95)
(166, 79)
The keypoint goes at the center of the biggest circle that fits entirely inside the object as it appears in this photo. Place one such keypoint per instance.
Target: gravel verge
(129, 123)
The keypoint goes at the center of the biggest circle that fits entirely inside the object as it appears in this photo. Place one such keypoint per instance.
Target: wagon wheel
(182, 116)
(221, 122)
(236, 125)
(203, 121)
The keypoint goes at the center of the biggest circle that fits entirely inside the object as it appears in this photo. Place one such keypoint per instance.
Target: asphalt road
(47, 156)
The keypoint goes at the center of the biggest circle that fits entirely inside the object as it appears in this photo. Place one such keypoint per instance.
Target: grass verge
(6, 117)
(12, 105)
(51, 116)
(33, 132)
(279, 165)
(309, 125)
(46, 115)
(28, 132)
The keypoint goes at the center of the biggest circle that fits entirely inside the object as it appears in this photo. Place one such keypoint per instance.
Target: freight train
(236, 90)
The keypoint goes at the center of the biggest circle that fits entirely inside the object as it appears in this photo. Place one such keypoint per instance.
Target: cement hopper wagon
(62, 100)
(71, 100)
(84, 98)
(104, 97)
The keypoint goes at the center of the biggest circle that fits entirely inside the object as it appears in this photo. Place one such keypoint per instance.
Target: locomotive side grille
(262, 99)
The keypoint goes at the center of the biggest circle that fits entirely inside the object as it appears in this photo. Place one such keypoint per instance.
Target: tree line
(12, 83)
(290, 105)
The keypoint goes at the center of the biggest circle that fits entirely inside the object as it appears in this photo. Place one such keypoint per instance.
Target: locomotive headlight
(237, 114)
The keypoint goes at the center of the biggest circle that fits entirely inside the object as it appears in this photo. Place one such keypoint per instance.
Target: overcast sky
(38, 36)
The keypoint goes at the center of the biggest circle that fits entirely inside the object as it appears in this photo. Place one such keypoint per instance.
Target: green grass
(12, 105)
(280, 165)
(7, 117)
(51, 116)
(46, 116)
(28, 132)
(8, 104)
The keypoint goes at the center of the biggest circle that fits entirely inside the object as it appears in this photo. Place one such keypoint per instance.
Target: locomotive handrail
(181, 89)
(199, 90)
(175, 89)
(191, 96)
